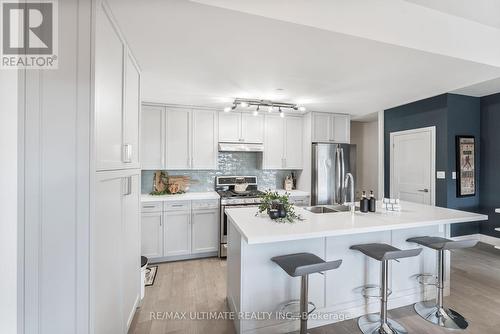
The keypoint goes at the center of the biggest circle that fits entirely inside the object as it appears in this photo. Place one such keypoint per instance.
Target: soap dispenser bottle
(372, 206)
(364, 203)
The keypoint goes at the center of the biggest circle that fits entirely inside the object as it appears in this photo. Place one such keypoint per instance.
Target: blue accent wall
(452, 115)
(490, 163)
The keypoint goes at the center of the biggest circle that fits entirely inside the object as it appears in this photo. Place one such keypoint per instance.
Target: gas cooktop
(231, 193)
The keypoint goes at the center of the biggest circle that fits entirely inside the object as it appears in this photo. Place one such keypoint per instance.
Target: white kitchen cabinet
(330, 128)
(204, 134)
(131, 114)
(283, 143)
(241, 127)
(252, 128)
(293, 143)
(205, 231)
(177, 233)
(115, 250)
(108, 94)
(229, 126)
(152, 234)
(152, 137)
(177, 139)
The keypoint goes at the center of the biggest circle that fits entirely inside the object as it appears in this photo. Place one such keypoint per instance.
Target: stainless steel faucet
(352, 202)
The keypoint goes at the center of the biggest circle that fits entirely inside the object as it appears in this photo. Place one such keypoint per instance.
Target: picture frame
(466, 165)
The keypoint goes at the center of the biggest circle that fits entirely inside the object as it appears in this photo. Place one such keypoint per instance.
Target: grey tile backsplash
(229, 163)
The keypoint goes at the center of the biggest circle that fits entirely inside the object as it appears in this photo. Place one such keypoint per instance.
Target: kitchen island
(257, 287)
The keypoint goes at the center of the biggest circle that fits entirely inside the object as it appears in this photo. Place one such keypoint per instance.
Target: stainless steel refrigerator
(330, 164)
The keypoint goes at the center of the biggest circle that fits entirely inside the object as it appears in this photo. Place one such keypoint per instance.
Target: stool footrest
(427, 279)
(292, 306)
(373, 291)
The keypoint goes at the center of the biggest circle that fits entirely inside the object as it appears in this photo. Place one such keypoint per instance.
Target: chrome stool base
(372, 324)
(442, 317)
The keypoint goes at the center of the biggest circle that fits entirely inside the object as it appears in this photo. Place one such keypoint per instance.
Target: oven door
(223, 225)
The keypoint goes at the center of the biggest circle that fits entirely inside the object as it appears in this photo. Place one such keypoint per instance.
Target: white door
(229, 127)
(293, 142)
(321, 123)
(108, 94)
(152, 234)
(177, 233)
(413, 165)
(152, 137)
(341, 129)
(131, 114)
(177, 139)
(252, 128)
(274, 129)
(204, 130)
(205, 231)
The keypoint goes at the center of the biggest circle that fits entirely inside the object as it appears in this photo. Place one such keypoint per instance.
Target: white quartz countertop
(181, 197)
(261, 229)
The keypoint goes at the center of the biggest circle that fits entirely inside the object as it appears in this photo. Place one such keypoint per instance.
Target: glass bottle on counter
(364, 203)
(372, 206)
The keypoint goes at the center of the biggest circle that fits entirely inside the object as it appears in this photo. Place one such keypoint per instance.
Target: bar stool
(304, 264)
(435, 312)
(381, 324)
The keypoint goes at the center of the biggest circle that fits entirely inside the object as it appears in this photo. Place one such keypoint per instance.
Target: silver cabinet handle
(149, 206)
(127, 185)
(127, 153)
(423, 190)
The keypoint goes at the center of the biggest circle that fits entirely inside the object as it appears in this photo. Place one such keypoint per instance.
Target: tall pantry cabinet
(115, 229)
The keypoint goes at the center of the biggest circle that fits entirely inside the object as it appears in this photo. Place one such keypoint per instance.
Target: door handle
(423, 190)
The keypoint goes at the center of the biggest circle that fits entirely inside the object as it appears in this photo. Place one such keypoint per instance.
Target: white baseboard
(482, 238)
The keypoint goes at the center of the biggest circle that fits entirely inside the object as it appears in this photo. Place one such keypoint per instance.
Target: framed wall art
(466, 166)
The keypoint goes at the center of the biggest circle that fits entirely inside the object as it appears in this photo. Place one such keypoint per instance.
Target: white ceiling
(197, 54)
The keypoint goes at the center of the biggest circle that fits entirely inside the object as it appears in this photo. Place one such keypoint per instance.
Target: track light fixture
(271, 106)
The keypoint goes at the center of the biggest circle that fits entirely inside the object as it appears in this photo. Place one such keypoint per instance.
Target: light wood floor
(199, 285)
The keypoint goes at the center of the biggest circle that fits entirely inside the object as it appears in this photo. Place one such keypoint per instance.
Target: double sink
(329, 208)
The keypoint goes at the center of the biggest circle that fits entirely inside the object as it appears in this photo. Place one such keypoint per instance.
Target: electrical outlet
(453, 175)
(441, 175)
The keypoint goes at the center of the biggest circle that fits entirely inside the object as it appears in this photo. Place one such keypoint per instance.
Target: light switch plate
(441, 175)
(453, 175)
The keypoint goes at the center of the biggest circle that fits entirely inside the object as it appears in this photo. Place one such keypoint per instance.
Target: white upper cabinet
(283, 143)
(229, 126)
(131, 114)
(241, 127)
(204, 134)
(293, 142)
(330, 128)
(108, 94)
(152, 137)
(177, 139)
(252, 128)
(117, 99)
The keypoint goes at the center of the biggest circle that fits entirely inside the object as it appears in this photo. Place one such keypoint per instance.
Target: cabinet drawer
(152, 207)
(177, 206)
(205, 204)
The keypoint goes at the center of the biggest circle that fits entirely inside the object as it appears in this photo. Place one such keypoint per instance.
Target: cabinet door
(321, 124)
(131, 246)
(341, 128)
(229, 127)
(152, 234)
(274, 129)
(108, 94)
(205, 229)
(204, 130)
(177, 233)
(177, 139)
(131, 114)
(293, 143)
(152, 137)
(107, 247)
(252, 128)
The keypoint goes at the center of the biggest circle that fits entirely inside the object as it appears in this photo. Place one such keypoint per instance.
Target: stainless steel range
(232, 196)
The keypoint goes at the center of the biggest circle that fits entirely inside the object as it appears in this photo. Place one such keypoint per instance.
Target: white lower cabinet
(180, 229)
(177, 233)
(152, 234)
(205, 231)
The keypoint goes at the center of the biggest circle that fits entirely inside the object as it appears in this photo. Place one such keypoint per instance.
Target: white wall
(365, 136)
(8, 200)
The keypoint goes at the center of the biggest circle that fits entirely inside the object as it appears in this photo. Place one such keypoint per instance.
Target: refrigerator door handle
(338, 183)
(342, 173)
